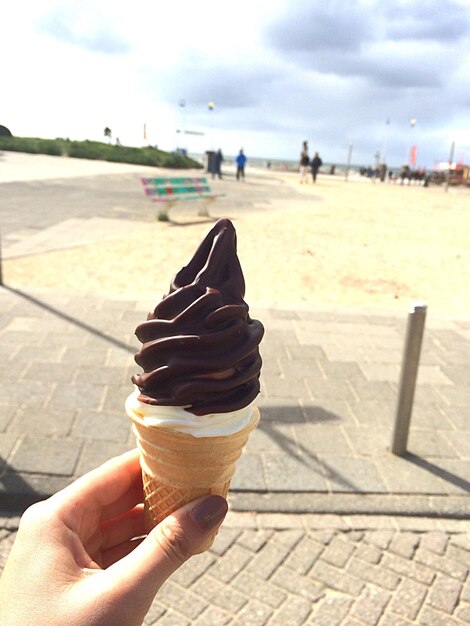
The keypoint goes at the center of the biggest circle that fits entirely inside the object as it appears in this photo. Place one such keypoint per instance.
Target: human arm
(80, 557)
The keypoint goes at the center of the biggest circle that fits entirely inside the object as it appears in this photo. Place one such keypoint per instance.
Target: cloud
(83, 25)
(336, 25)
(436, 20)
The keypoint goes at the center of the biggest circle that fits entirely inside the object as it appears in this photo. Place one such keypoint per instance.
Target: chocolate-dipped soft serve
(200, 346)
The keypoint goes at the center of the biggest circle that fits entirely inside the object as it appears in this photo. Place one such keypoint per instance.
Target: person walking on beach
(315, 165)
(240, 161)
(304, 162)
(218, 160)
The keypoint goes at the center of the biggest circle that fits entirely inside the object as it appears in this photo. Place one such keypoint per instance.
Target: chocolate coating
(200, 346)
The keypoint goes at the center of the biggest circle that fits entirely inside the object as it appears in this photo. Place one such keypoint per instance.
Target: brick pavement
(328, 396)
(318, 570)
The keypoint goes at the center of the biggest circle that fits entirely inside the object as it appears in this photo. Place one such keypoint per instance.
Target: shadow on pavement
(442, 473)
(68, 318)
(299, 452)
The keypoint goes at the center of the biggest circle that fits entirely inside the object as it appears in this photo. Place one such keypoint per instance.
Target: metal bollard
(409, 373)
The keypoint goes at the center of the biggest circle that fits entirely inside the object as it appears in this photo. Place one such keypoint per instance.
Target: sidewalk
(317, 570)
(328, 397)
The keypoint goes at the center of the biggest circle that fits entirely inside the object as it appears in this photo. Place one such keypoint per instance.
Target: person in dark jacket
(315, 165)
(304, 162)
(218, 160)
(240, 161)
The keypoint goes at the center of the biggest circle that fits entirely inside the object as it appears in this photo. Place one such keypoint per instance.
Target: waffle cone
(178, 468)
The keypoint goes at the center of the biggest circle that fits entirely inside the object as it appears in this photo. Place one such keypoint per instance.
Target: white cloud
(278, 71)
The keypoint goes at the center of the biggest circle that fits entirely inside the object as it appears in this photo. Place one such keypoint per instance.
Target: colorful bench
(169, 191)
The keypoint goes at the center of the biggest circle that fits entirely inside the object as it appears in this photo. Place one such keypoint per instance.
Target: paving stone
(404, 544)
(401, 475)
(370, 605)
(463, 614)
(406, 567)
(253, 613)
(101, 425)
(289, 538)
(155, 612)
(254, 540)
(324, 389)
(441, 564)
(249, 474)
(305, 352)
(7, 412)
(224, 539)
(193, 569)
(336, 579)
(213, 616)
(219, 594)
(259, 589)
(236, 559)
(292, 388)
(434, 542)
(298, 369)
(430, 617)
(368, 553)
(379, 538)
(40, 421)
(323, 536)
(172, 618)
(96, 452)
(295, 583)
(304, 555)
(352, 475)
(71, 397)
(293, 612)
(271, 437)
(289, 473)
(390, 619)
(7, 442)
(267, 560)
(38, 394)
(338, 552)
(370, 413)
(461, 444)
(115, 397)
(444, 594)
(409, 598)
(57, 372)
(461, 555)
(330, 611)
(372, 574)
(46, 456)
(373, 390)
(322, 439)
(275, 409)
(367, 441)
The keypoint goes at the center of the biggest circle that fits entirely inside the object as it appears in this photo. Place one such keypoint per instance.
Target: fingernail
(209, 512)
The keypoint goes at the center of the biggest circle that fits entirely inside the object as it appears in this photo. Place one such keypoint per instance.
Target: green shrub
(98, 150)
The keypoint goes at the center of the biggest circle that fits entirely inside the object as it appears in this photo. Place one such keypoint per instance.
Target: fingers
(170, 544)
(123, 528)
(106, 492)
(113, 555)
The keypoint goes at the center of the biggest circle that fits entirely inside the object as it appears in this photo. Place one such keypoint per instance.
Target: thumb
(170, 544)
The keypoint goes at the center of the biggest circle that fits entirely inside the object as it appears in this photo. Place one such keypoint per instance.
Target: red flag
(413, 155)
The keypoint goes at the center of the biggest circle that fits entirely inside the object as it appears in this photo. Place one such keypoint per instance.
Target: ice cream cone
(177, 467)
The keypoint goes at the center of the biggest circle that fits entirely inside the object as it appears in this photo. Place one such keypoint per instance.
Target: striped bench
(169, 191)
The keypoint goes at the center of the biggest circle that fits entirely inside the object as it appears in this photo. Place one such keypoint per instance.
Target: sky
(335, 73)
